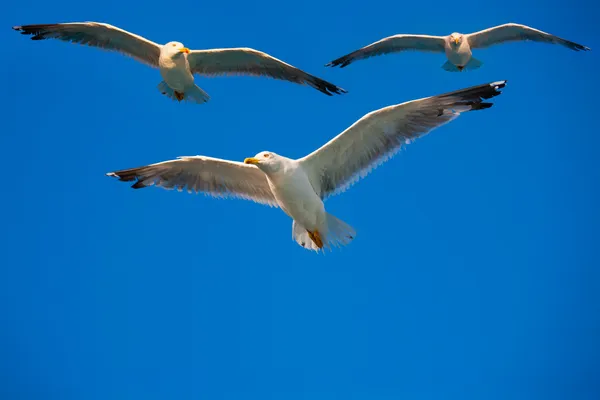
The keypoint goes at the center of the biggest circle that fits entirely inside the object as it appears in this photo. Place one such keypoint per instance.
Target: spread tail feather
(471, 65)
(193, 95)
(448, 66)
(337, 233)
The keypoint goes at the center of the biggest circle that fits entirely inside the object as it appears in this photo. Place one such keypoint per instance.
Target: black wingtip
(34, 30)
(336, 62)
(341, 62)
(499, 84)
(118, 175)
(129, 175)
(325, 87)
(138, 185)
(481, 106)
(474, 96)
(38, 31)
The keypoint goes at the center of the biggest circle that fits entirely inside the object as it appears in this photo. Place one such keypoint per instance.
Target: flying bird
(177, 63)
(299, 186)
(457, 46)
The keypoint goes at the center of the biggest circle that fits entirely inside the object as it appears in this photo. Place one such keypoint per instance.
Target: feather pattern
(212, 176)
(96, 34)
(245, 61)
(392, 44)
(515, 32)
(379, 135)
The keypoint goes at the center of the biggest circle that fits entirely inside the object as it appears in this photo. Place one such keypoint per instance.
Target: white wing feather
(245, 61)
(380, 134)
(212, 176)
(516, 32)
(392, 44)
(96, 34)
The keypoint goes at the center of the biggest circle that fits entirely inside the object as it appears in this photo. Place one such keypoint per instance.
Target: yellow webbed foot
(316, 238)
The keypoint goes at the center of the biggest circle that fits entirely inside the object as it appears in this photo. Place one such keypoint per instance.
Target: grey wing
(515, 32)
(245, 61)
(392, 44)
(96, 34)
(212, 176)
(377, 136)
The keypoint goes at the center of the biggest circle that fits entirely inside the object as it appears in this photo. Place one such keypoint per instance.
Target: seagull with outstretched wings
(178, 64)
(457, 46)
(300, 186)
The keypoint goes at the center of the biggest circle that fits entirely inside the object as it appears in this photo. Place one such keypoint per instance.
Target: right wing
(212, 176)
(392, 44)
(96, 34)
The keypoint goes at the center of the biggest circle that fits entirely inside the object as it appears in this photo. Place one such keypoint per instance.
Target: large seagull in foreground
(177, 63)
(457, 46)
(300, 186)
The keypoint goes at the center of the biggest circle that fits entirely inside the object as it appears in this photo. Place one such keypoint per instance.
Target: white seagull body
(177, 63)
(300, 186)
(457, 46)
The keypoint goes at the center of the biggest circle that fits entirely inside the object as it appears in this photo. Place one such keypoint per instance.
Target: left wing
(377, 136)
(245, 61)
(515, 32)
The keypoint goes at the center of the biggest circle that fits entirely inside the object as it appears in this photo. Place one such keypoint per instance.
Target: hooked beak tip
(185, 50)
(251, 160)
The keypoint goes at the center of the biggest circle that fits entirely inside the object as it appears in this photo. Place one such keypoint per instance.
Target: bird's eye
(173, 45)
(266, 155)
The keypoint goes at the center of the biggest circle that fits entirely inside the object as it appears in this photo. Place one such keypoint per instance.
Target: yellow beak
(251, 160)
(185, 50)
(456, 40)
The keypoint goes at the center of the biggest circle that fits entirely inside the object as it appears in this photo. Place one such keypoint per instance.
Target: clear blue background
(474, 274)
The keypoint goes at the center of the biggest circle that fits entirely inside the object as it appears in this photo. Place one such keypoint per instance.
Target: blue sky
(474, 274)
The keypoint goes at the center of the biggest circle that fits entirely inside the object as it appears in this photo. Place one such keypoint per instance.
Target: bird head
(176, 49)
(267, 161)
(456, 38)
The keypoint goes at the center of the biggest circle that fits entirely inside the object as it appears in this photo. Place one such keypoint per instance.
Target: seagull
(177, 63)
(457, 46)
(299, 186)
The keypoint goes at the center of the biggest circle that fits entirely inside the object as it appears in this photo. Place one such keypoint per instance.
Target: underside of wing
(392, 44)
(516, 32)
(245, 61)
(96, 34)
(380, 134)
(212, 176)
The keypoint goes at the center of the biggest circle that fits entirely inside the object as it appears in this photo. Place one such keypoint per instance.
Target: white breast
(176, 72)
(296, 196)
(459, 55)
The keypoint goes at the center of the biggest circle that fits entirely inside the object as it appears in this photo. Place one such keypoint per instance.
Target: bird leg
(316, 237)
(460, 68)
(179, 96)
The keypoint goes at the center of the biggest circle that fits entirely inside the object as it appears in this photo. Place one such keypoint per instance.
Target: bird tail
(193, 94)
(473, 64)
(448, 66)
(337, 233)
